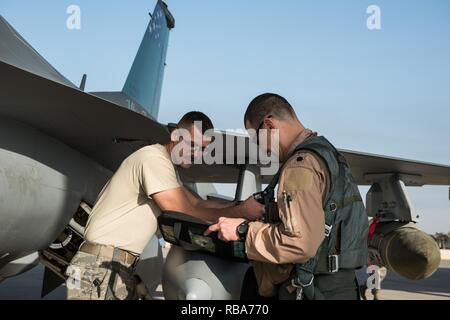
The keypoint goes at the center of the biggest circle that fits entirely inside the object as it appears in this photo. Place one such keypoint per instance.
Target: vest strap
(346, 202)
(304, 279)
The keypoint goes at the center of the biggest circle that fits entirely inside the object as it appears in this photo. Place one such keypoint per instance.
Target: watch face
(242, 229)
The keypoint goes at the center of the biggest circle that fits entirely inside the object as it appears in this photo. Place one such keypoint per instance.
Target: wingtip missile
(404, 249)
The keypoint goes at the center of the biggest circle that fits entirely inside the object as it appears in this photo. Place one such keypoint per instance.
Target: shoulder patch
(298, 179)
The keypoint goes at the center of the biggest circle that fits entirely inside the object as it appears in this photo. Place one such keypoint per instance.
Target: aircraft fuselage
(42, 182)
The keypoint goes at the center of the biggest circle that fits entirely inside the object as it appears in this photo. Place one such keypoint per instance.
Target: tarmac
(394, 287)
(28, 286)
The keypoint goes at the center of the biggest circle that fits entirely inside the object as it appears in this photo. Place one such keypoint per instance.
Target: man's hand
(252, 209)
(227, 229)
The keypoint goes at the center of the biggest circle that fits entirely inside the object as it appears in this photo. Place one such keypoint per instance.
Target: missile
(193, 275)
(403, 248)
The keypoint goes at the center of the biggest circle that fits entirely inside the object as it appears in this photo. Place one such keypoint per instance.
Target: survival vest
(346, 221)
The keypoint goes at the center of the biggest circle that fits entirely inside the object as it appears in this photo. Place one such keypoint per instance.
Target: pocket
(82, 272)
(289, 218)
(126, 284)
(98, 279)
(86, 277)
(289, 224)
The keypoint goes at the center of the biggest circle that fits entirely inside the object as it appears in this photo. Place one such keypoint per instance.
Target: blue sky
(385, 92)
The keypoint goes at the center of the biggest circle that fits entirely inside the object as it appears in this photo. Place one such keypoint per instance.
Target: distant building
(443, 240)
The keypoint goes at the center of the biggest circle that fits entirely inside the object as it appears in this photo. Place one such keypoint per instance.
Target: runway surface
(28, 287)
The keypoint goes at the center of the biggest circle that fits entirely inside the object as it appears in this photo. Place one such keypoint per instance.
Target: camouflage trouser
(94, 277)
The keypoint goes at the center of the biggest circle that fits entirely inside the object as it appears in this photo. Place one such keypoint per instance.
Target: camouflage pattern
(92, 277)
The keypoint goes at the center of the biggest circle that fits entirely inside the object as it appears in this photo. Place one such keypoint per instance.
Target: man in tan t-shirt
(123, 219)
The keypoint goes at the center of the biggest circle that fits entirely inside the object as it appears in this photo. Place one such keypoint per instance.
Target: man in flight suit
(279, 250)
(123, 219)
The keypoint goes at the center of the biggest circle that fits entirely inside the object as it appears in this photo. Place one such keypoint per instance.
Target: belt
(109, 252)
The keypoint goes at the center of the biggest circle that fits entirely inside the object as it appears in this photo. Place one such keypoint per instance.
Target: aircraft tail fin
(144, 82)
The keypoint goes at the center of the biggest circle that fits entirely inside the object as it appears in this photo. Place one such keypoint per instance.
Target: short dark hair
(268, 104)
(189, 118)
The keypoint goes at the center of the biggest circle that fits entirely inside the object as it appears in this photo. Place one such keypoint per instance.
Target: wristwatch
(242, 230)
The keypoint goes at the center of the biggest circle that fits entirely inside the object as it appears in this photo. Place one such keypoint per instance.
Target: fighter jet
(59, 145)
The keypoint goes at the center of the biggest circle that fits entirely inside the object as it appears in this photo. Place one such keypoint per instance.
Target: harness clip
(299, 286)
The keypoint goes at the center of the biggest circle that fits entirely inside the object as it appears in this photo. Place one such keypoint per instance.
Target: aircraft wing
(364, 166)
(16, 51)
(83, 121)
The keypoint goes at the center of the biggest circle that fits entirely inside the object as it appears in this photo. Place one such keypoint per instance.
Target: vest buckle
(333, 263)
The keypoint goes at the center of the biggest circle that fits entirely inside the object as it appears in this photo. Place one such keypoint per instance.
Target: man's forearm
(177, 200)
(197, 201)
(217, 204)
(270, 244)
(212, 214)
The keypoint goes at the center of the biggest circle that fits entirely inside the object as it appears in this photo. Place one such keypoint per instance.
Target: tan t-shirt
(124, 214)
